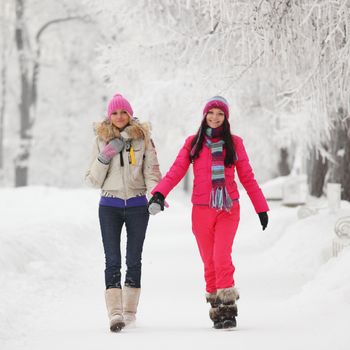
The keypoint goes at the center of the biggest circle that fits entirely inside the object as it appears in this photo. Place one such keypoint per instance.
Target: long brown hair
(198, 140)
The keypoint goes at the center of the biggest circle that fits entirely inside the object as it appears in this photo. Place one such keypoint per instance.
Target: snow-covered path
(293, 295)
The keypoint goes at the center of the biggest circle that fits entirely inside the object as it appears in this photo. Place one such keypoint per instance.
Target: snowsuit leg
(215, 231)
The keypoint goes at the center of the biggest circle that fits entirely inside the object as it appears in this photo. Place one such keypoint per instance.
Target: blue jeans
(112, 220)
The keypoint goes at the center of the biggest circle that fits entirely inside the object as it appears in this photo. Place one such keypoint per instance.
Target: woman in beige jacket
(124, 165)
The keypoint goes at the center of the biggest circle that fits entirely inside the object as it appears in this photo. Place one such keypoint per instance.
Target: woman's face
(215, 118)
(120, 118)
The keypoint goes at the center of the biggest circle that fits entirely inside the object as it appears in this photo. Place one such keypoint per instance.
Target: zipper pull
(132, 156)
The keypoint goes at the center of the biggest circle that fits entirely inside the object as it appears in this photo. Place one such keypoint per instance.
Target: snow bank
(45, 236)
(50, 249)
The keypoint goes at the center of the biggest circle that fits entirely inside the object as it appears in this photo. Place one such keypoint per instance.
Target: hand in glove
(264, 219)
(112, 148)
(156, 204)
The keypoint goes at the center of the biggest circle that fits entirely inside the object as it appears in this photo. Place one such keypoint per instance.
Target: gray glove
(112, 148)
(154, 208)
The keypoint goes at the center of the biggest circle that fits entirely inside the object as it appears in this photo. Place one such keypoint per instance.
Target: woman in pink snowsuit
(215, 154)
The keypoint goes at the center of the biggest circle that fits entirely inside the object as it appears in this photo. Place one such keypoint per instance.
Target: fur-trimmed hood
(135, 130)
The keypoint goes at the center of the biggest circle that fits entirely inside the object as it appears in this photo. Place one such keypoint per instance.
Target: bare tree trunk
(2, 109)
(21, 161)
(186, 182)
(3, 94)
(345, 181)
(283, 165)
(317, 170)
(340, 150)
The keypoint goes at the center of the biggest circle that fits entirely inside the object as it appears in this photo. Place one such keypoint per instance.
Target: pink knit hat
(217, 102)
(119, 102)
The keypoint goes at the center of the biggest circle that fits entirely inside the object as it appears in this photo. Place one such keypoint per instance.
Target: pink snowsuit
(214, 229)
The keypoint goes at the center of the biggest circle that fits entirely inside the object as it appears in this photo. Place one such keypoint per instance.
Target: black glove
(264, 219)
(156, 204)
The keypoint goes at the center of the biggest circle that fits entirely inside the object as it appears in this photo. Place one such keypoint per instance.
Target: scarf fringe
(220, 199)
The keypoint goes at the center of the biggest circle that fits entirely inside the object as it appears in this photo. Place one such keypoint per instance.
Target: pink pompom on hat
(217, 102)
(119, 102)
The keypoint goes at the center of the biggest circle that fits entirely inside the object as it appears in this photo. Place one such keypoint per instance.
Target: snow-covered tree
(29, 49)
(282, 65)
(298, 48)
(308, 44)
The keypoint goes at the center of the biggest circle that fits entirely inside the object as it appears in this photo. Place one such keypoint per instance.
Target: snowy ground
(294, 295)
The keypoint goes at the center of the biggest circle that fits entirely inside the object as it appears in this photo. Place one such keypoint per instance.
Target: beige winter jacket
(129, 180)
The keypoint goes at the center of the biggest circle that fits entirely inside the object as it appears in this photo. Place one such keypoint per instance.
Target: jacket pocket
(136, 178)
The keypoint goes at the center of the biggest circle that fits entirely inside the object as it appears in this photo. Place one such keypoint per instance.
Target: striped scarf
(219, 197)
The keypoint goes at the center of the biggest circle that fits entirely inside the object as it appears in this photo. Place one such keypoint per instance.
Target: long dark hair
(230, 156)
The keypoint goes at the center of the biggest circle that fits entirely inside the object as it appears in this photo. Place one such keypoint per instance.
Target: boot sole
(229, 324)
(225, 324)
(117, 327)
(226, 317)
(218, 325)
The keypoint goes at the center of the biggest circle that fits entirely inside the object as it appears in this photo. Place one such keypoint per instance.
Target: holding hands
(112, 148)
(156, 204)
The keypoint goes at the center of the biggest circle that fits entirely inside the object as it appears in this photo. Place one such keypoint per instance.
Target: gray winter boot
(227, 308)
(131, 298)
(115, 309)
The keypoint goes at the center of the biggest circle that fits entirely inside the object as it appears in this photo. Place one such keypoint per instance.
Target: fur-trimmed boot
(227, 308)
(214, 309)
(131, 298)
(114, 305)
